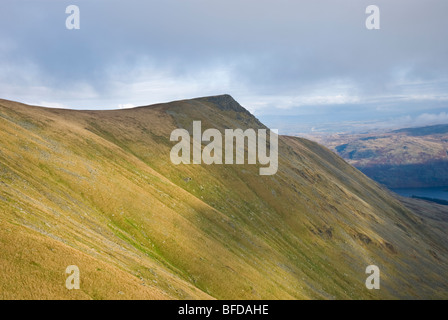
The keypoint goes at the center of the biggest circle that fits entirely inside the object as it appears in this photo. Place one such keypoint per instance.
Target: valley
(404, 158)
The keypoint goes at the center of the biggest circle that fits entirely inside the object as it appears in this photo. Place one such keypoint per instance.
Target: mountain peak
(224, 102)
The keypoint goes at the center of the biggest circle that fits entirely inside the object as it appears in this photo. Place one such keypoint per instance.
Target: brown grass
(98, 188)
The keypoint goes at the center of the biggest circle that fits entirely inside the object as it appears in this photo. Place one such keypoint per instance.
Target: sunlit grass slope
(97, 189)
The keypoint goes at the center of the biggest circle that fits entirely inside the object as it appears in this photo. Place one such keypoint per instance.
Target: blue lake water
(436, 193)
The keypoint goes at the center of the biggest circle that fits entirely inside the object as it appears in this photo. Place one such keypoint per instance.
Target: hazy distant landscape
(428, 193)
(400, 159)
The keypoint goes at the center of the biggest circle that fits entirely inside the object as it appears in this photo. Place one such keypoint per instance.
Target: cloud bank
(275, 57)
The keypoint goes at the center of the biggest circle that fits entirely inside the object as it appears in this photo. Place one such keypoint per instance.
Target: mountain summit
(97, 189)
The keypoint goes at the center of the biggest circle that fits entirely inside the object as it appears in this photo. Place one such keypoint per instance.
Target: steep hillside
(97, 189)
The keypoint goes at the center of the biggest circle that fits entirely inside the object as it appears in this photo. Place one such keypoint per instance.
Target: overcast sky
(310, 58)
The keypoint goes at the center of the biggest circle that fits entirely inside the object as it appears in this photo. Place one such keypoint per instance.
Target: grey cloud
(268, 49)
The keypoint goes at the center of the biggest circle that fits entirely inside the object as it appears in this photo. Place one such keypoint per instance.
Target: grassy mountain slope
(97, 189)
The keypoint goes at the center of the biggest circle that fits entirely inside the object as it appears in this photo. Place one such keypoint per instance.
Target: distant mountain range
(440, 129)
(97, 189)
(405, 158)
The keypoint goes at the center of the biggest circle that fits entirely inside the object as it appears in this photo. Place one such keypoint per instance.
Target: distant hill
(424, 131)
(405, 158)
(97, 189)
